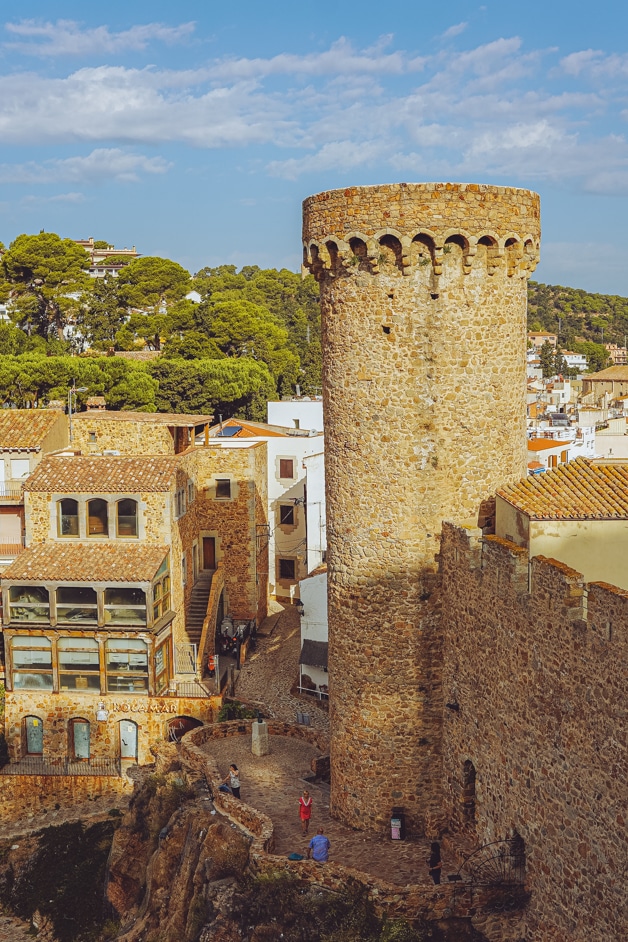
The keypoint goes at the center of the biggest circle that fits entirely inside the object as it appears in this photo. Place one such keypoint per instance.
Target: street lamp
(72, 391)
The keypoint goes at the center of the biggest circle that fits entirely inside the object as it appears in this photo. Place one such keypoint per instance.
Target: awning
(314, 653)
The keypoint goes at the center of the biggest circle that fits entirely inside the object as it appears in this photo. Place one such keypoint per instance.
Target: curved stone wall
(423, 294)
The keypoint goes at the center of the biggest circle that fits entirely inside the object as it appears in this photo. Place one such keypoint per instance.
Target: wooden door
(209, 552)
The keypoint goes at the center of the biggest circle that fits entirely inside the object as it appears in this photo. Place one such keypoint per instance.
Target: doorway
(128, 740)
(209, 552)
(80, 733)
(34, 730)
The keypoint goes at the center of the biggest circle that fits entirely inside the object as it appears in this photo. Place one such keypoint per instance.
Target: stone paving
(272, 670)
(274, 783)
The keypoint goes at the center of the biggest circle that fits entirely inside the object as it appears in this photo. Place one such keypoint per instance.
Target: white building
(315, 509)
(299, 412)
(314, 633)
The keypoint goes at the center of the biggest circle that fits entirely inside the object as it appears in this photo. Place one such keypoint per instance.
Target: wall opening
(468, 790)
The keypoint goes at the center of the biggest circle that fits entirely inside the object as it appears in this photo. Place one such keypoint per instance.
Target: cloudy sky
(195, 130)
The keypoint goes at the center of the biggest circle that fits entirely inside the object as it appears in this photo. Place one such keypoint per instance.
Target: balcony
(10, 550)
(11, 491)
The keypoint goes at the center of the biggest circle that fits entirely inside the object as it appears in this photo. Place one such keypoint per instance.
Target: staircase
(197, 608)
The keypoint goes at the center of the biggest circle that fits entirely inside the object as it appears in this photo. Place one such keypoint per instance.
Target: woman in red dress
(305, 810)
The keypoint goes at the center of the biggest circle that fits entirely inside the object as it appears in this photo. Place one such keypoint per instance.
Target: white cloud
(68, 38)
(72, 198)
(101, 165)
(454, 30)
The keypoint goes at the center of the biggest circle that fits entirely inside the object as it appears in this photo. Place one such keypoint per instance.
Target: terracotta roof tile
(540, 444)
(25, 428)
(145, 418)
(617, 373)
(87, 562)
(103, 474)
(579, 490)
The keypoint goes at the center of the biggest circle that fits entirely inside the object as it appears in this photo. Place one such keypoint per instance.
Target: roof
(616, 373)
(248, 429)
(103, 474)
(320, 570)
(535, 466)
(540, 444)
(25, 428)
(87, 562)
(579, 490)
(314, 653)
(148, 418)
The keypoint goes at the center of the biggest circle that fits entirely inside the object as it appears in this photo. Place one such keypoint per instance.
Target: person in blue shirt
(319, 847)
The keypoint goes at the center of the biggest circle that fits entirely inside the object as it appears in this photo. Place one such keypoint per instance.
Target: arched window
(67, 517)
(127, 517)
(97, 522)
(468, 789)
(33, 736)
(128, 739)
(79, 738)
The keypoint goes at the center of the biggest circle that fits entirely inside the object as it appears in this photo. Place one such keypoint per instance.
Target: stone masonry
(423, 294)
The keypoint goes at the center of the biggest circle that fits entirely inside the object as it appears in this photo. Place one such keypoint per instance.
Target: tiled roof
(540, 444)
(247, 429)
(579, 490)
(25, 428)
(87, 562)
(146, 418)
(617, 373)
(103, 474)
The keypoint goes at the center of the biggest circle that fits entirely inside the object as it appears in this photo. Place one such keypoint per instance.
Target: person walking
(434, 862)
(305, 810)
(319, 847)
(233, 778)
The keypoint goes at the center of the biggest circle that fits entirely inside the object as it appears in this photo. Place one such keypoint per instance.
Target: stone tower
(423, 293)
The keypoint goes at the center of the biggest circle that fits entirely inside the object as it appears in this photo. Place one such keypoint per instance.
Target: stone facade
(537, 674)
(423, 293)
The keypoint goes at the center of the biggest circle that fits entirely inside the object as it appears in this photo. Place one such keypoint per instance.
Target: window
(125, 606)
(286, 514)
(76, 604)
(79, 664)
(28, 603)
(161, 597)
(67, 517)
(20, 468)
(162, 667)
(287, 569)
(32, 663)
(126, 665)
(223, 488)
(286, 468)
(97, 522)
(92, 436)
(184, 569)
(79, 738)
(179, 503)
(127, 518)
(191, 492)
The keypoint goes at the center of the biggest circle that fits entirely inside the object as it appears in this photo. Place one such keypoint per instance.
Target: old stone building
(475, 686)
(131, 562)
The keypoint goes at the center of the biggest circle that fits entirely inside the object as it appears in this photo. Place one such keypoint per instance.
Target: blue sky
(195, 130)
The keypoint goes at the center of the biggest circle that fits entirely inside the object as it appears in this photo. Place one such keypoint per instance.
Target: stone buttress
(423, 294)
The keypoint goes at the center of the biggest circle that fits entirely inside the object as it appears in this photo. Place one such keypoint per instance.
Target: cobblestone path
(273, 784)
(269, 673)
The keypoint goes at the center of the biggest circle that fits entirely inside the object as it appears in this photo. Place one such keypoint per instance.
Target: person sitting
(318, 847)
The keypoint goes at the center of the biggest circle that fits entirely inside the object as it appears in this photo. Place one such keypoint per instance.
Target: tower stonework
(423, 295)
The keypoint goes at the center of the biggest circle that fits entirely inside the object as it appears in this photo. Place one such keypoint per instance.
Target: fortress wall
(539, 678)
(423, 295)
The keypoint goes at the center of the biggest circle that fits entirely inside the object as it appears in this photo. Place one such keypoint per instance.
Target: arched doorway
(179, 726)
(128, 740)
(33, 736)
(79, 739)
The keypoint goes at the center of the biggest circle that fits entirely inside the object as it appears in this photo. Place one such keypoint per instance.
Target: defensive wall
(423, 297)
(534, 682)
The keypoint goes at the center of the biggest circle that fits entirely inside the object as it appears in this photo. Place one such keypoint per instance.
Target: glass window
(97, 522)
(162, 667)
(76, 604)
(79, 665)
(286, 514)
(32, 663)
(28, 603)
(223, 488)
(127, 518)
(161, 597)
(125, 606)
(67, 517)
(286, 569)
(127, 665)
(20, 468)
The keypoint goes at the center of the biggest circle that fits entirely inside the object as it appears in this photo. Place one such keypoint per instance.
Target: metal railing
(38, 765)
(12, 489)
(192, 689)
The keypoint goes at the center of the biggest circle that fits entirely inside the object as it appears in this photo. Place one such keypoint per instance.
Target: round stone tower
(423, 294)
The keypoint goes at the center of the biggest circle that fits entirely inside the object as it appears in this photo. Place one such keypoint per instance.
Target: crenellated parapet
(495, 228)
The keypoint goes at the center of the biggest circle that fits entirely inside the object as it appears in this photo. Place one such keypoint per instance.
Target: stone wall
(537, 679)
(423, 294)
(55, 711)
(128, 437)
(25, 795)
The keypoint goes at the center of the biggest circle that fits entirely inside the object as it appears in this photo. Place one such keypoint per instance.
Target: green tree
(102, 314)
(46, 274)
(152, 284)
(546, 355)
(597, 355)
(229, 386)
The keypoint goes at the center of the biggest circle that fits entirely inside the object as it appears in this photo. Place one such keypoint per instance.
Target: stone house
(613, 380)
(576, 514)
(26, 435)
(136, 433)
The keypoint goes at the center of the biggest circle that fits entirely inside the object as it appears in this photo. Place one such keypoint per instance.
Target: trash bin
(397, 825)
